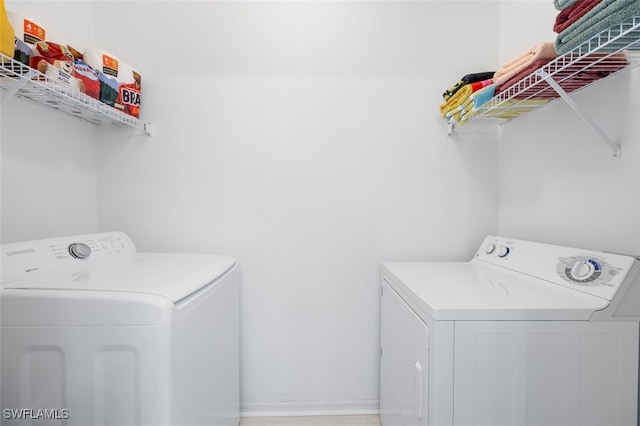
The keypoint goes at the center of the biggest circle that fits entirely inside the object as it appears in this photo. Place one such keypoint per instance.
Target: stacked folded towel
(569, 15)
(593, 67)
(537, 56)
(577, 22)
(467, 79)
(524, 72)
(476, 100)
(580, 20)
(563, 4)
(471, 92)
(464, 98)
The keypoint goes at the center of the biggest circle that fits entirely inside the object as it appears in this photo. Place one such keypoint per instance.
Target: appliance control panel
(27, 258)
(597, 273)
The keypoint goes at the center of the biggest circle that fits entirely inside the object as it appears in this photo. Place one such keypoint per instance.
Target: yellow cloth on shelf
(456, 100)
(7, 34)
(460, 112)
(475, 102)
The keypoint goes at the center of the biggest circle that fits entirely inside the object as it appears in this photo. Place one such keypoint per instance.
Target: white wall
(49, 161)
(557, 181)
(303, 139)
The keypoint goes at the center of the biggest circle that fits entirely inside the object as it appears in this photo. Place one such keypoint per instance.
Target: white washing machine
(94, 333)
(523, 334)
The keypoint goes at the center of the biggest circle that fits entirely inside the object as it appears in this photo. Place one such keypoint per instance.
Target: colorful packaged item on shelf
(55, 61)
(129, 90)
(90, 84)
(107, 67)
(27, 33)
(86, 74)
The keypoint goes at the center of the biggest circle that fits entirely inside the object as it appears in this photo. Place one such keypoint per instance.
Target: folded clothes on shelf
(523, 73)
(571, 14)
(462, 100)
(540, 52)
(477, 100)
(563, 4)
(467, 106)
(467, 79)
(606, 32)
(583, 72)
(602, 16)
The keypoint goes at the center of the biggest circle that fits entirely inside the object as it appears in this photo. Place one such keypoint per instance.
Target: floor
(372, 420)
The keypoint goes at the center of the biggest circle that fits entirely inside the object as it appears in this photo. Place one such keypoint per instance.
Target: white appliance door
(404, 363)
(546, 373)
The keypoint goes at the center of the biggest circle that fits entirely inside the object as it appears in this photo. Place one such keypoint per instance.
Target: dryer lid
(510, 279)
(471, 292)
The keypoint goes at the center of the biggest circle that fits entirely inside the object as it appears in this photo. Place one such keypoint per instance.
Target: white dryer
(523, 334)
(94, 333)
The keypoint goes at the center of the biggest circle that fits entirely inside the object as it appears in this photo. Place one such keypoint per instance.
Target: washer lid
(171, 275)
(473, 291)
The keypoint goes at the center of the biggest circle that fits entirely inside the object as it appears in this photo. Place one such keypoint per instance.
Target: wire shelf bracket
(614, 147)
(12, 90)
(605, 54)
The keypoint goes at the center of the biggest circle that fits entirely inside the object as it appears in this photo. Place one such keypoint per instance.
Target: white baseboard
(309, 408)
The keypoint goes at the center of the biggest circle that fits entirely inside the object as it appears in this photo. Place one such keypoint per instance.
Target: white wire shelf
(22, 81)
(605, 54)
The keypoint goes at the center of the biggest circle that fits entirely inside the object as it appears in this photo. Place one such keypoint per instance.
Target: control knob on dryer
(503, 251)
(79, 250)
(582, 270)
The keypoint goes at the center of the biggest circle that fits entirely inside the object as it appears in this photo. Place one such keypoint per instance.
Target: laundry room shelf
(21, 81)
(605, 54)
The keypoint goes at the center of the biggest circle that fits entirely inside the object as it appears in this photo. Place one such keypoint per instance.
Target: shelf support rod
(615, 148)
(451, 128)
(148, 129)
(13, 89)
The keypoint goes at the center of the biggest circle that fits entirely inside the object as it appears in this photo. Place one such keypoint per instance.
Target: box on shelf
(107, 67)
(90, 82)
(129, 91)
(27, 33)
(56, 62)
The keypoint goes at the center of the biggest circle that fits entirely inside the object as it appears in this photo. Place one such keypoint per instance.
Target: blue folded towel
(478, 99)
(483, 96)
(604, 15)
